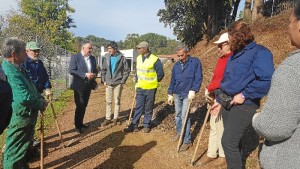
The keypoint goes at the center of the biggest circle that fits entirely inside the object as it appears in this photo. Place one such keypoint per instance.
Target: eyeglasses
(222, 44)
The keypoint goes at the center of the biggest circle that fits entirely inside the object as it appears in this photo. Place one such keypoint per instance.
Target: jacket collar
(242, 51)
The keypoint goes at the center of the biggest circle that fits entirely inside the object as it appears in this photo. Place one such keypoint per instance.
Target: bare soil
(109, 146)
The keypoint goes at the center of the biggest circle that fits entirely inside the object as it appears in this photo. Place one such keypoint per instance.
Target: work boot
(204, 160)
(130, 129)
(115, 121)
(84, 126)
(175, 138)
(106, 122)
(219, 163)
(185, 146)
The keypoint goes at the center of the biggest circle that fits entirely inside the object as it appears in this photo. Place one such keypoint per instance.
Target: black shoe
(79, 130)
(84, 126)
(130, 129)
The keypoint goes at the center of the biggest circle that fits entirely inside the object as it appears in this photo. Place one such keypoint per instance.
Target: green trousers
(17, 142)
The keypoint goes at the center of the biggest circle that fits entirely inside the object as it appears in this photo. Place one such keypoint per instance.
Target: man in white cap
(215, 148)
(149, 71)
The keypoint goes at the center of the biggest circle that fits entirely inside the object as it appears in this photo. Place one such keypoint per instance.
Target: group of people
(23, 80)
(243, 75)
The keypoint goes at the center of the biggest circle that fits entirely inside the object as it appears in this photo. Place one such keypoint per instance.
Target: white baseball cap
(223, 38)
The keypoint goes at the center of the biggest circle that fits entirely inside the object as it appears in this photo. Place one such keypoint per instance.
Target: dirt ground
(109, 147)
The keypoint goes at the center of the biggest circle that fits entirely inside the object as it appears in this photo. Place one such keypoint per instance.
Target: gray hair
(11, 45)
(84, 42)
(182, 46)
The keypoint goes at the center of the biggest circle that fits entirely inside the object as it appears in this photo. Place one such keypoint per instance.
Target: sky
(113, 19)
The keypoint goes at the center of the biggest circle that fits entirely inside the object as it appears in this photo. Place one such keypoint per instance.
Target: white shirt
(88, 63)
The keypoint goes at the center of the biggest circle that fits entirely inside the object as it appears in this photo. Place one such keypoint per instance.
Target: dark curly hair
(297, 10)
(239, 35)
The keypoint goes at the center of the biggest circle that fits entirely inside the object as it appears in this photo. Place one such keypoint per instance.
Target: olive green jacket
(26, 99)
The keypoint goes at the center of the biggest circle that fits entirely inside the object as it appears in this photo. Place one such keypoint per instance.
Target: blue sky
(113, 19)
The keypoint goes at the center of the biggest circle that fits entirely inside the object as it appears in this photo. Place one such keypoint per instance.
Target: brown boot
(204, 160)
(219, 163)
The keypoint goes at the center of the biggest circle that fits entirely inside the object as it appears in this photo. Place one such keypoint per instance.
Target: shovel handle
(183, 126)
(42, 140)
(130, 115)
(200, 136)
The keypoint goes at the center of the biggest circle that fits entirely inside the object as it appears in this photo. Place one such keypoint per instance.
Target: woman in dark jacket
(246, 80)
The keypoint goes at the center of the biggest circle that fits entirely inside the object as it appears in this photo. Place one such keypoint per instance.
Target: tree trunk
(235, 9)
(257, 12)
(247, 10)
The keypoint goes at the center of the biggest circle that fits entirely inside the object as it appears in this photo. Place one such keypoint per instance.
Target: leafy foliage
(159, 43)
(192, 19)
(46, 18)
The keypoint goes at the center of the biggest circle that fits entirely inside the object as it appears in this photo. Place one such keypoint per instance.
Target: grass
(58, 104)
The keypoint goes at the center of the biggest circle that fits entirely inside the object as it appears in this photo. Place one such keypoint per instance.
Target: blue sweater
(249, 71)
(187, 78)
(37, 73)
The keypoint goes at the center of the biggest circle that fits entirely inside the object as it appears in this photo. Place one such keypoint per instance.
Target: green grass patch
(59, 106)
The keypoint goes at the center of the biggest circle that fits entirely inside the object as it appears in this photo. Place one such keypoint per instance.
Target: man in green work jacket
(27, 101)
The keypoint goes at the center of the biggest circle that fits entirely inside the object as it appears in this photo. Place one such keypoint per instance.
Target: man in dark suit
(84, 72)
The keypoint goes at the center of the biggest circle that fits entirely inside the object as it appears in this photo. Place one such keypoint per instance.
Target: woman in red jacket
(215, 148)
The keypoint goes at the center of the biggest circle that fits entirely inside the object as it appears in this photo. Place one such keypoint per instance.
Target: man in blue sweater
(185, 82)
(36, 70)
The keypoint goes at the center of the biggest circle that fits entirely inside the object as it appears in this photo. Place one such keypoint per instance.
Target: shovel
(200, 136)
(183, 126)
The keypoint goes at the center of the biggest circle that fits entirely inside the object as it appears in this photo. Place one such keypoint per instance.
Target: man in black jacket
(5, 101)
(114, 73)
(84, 72)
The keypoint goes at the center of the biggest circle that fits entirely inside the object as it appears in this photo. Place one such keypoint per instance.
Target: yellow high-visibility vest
(147, 77)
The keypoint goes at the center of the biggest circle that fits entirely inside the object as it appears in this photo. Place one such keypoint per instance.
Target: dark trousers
(144, 102)
(5, 109)
(236, 121)
(81, 101)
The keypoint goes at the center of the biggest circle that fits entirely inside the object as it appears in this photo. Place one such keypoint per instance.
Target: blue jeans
(144, 102)
(181, 105)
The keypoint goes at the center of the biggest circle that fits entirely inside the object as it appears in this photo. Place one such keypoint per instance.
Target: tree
(46, 18)
(247, 10)
(131, 41)
(192, 19)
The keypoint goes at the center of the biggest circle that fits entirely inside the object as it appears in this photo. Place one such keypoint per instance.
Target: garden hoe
(56, 122)
(200, 136)
(183, 126)
(42, 139)
(130, 115)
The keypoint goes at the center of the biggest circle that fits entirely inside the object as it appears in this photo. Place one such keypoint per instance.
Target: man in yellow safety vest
(149, 72)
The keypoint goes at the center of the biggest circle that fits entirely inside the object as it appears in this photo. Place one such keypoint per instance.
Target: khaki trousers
(113, 92)
(215, 135)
